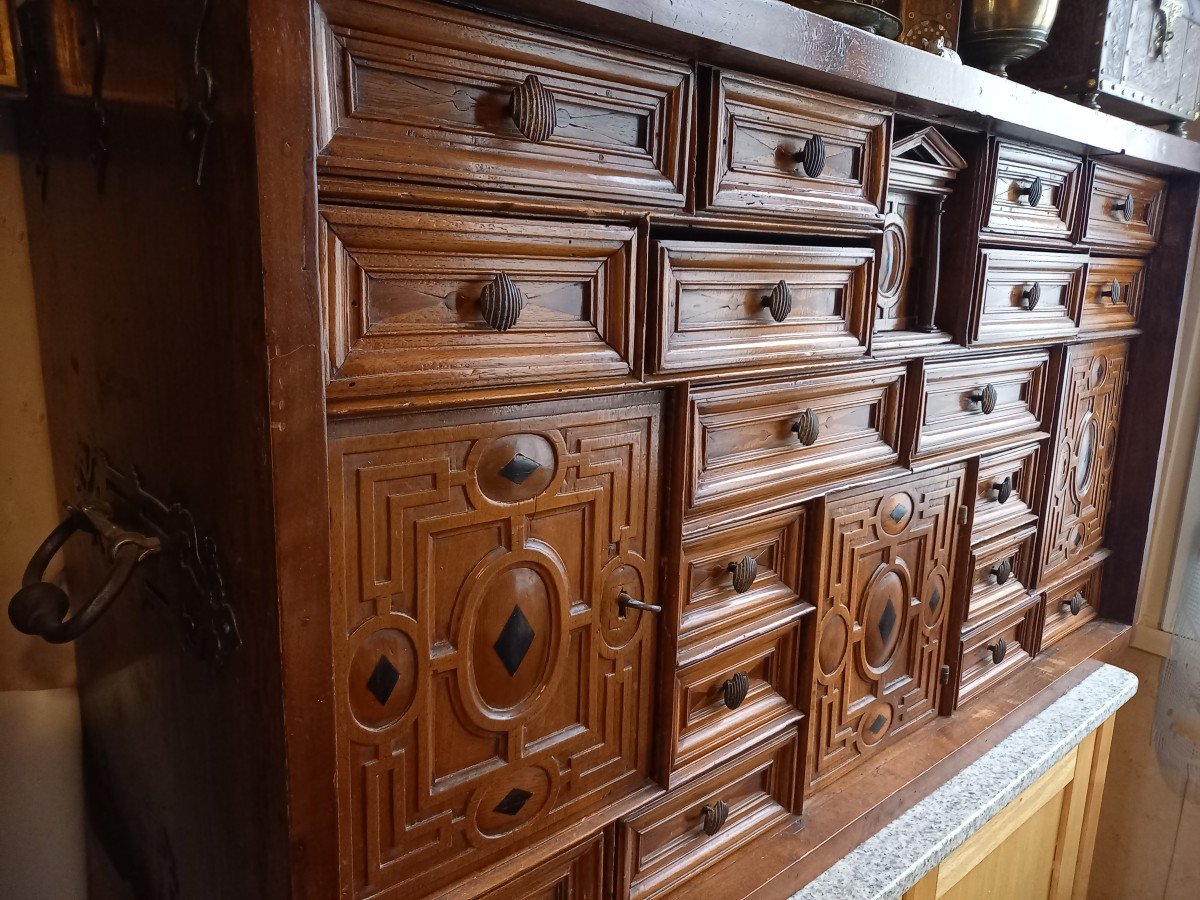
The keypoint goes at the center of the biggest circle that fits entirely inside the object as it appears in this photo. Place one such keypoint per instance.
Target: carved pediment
(925, 159)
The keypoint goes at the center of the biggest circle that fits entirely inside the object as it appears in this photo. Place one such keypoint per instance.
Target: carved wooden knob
(1124, 208)
(1075, 605)
(985, 397)
(744, 571)
(532, 108)
(779, 301)
(998, 650)
(626, 603)
(501, 303)
(1003, 489)
(1033, 193)
(1031, 296)
(714, 815)
(812, 156)
(1113, 291)
(735, 689)
(807, 428)
(1003, 571)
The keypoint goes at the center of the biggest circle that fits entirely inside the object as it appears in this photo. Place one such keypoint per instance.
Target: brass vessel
(998, 33)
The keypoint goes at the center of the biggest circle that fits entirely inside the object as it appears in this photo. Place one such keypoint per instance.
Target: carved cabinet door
(886, 564)
(492, 678)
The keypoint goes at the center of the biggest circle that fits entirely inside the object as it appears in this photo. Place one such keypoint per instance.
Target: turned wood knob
(735, 689)
(744, 571)
(1031, 296)
(532, 109)
(779, 301)
(807, 428)
(812, 156)
(1075, 605)
(501, 303)
(714, 816)
(998, 650)
(1113, 291)
(985, 397)
(1003, 489)
(1003, 571)
(1124, 208)
(1033, 193)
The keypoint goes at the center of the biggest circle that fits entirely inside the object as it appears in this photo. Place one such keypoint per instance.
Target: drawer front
(747, 306)
(577, 873)
(1023, 175)
(785, 151)
(1000, 575)
(723, 703)
(675, 838)
(957, 414)
(1124, 209)
(1027, 298)
(783, 437)
(1004, 493)
(998, 649)
(1076, 505)
(740, 580)
(1112, 298)
(417, 100)
(482, 651)
(886, 568)
(446, 304)
(1074, 601)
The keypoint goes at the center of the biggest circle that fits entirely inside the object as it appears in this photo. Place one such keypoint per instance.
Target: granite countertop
(899, 855)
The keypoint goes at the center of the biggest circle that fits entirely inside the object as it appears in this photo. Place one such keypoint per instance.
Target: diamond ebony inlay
(887, 621)
(935, 597)
(899, 511)
(383, 680)
(512, 802)
(514, 640)
(519, 468)
(880, 721)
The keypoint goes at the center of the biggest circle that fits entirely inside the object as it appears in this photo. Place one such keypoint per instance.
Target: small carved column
(930, 272)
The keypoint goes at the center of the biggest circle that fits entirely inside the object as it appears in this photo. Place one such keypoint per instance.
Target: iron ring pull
(40, 608)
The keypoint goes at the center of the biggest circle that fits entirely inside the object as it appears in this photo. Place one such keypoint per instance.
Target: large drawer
(1034, 195)
(997, 649)
(1023, 297)
(1074, 601)
(778, 150)
(1124, 209)
(782, 438)
(1112, 297)
(420, 101)
(447, 304)
(1005, 490)
(753, 306)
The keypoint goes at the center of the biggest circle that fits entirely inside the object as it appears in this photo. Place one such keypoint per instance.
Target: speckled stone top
(900, 854)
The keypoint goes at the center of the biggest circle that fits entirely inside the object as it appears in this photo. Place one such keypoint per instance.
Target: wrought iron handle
(744, 571)
(812, 156)
(1033, 193)
(1003, 489)
(735, 689)
(1031, 296)
(714, 815)
(532, 109)
(998, 650)
(807, 428)
(1003, 571)
(1113, 291)
(1075, 604)
(501, 302)
(626, 602)
(779, 301)
(1124, 208)
(986, 398)
(40, 608)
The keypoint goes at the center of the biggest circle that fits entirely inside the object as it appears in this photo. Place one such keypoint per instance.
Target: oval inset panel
(382, 679)
(835, 638)
(516, 467)
(885, 601)
(896, 512)
(1085, 456)
(893, 263)
(617, 629)
(511, 798)
(875, 723)
(513, 634)
(934, 597)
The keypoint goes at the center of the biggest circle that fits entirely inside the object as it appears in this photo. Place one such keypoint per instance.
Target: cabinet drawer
(421, 101)
(577, 873)
(980, 403)
(774, 149)
(745, 306)
(1124, 209)
(1073, 601)
(1026, 297)
(1112, 298)
(674, 838)
(996, 650)
(739, 580)
(1004, 494)
(446, 304)
(1025, 175)
(1000, 575)
(724, 702)
(784, 437)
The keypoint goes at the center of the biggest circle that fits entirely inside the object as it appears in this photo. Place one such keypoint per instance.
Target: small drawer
(1112, 298)
(423, 102)
(1034, 194)
(428, 302)
(725, 702)
(1000, 575)
(1124, 209)
(782, 438)
(1004, 494)
(1074, 601)
(748, 306)
(738, 580)
(774, 149)
(980, 403)
(664, 844)
(1023, 297)
(998, 649)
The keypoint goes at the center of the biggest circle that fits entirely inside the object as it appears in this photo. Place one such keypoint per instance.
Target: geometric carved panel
(886, 561)
(489, 684)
